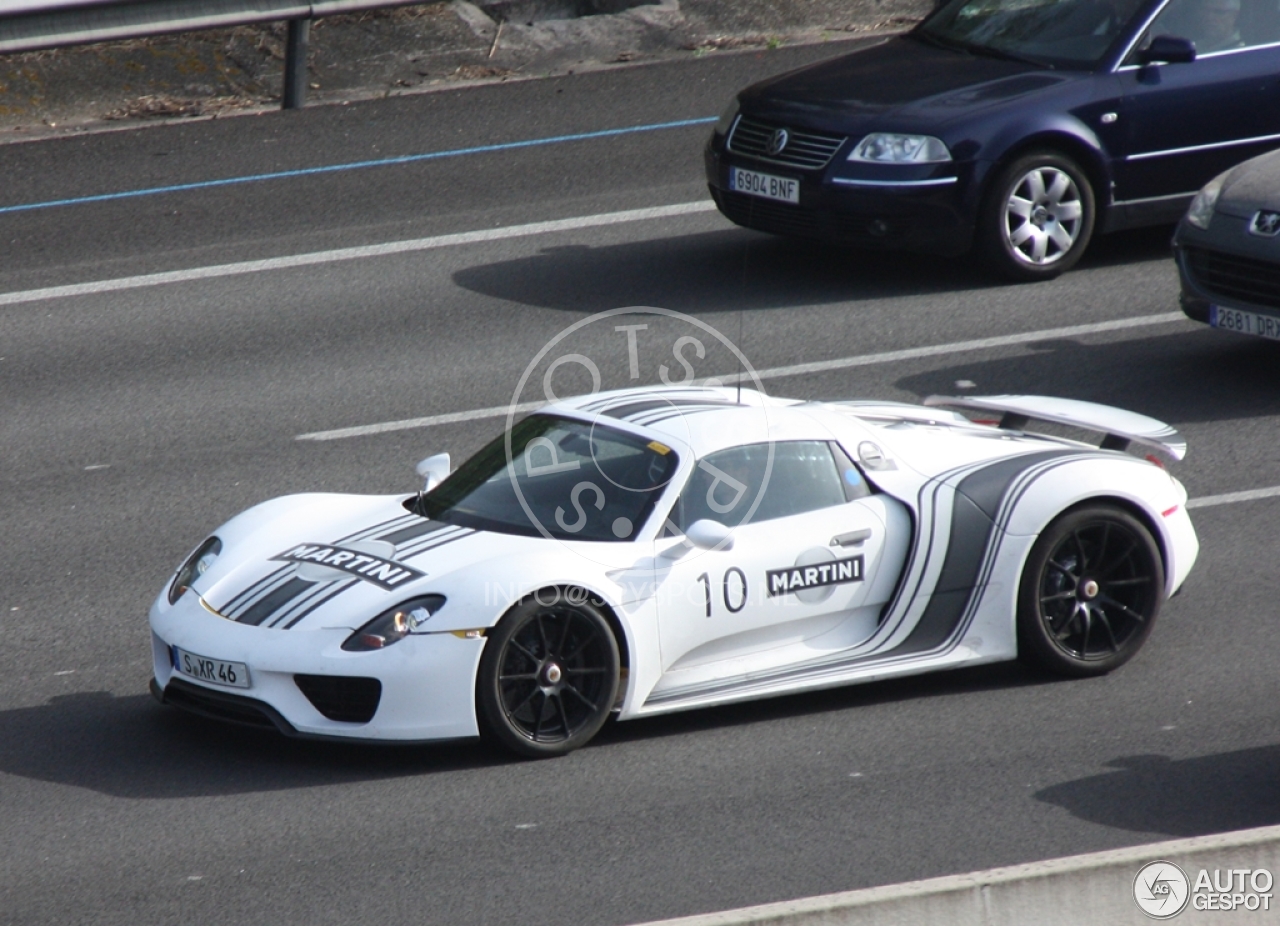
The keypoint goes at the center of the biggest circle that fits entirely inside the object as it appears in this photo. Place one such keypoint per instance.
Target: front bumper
(903, 208)
(1225, 267)
(422, 688)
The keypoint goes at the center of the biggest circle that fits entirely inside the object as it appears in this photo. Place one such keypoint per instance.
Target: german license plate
(766, 186)
(212, 671)
(1263, 326)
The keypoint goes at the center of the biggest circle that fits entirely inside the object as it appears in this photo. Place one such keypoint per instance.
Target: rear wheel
(1090, 592)
(1037, 218)
(548, 676)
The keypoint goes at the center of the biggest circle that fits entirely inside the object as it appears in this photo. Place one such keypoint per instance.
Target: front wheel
(548, 676)
(1037, 218)
(1090, 593)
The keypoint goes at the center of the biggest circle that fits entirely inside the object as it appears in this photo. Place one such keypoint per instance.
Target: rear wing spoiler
(1121, 428)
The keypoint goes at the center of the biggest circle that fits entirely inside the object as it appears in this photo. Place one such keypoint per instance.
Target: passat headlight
(197, 564)
(725, 122)
(1201, 210)
(394, 625)
(889, 148)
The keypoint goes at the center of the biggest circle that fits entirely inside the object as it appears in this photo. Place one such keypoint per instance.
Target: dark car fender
(1060, 132)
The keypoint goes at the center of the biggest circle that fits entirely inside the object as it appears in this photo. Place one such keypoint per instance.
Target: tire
(1037, 218)
(548, 676)
(1090, 592)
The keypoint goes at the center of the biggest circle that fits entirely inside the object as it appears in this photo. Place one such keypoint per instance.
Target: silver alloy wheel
(1043, 216)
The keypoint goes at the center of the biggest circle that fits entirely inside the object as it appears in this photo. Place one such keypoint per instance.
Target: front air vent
(1232, 278)
(805, 150)
(345, 698)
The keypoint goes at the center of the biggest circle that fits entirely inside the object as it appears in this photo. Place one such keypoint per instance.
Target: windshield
(579, 481)
(1052, 33)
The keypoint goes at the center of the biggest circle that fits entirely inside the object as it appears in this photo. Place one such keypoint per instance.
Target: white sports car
(652, 550)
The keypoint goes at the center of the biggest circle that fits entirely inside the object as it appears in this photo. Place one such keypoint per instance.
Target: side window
(804, 476)
(1219, 25)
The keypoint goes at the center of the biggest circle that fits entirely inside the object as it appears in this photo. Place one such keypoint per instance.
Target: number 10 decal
(739, 593)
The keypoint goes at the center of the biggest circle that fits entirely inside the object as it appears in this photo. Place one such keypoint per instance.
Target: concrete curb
(1080, 890)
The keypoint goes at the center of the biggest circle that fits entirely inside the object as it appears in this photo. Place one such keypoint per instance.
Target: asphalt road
(137, 419)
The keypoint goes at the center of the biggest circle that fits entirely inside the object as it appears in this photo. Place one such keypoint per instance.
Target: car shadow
(734, 269)
(1182, 797)
(131, 747)
(1191, 375)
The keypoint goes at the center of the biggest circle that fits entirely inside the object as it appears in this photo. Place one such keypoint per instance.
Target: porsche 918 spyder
(652, 550)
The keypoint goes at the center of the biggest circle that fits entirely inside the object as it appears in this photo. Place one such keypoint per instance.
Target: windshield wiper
(937, 41)
(988, 51)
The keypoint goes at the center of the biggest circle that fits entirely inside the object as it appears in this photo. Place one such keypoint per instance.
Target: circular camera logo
(600, 481)
(1161, 890)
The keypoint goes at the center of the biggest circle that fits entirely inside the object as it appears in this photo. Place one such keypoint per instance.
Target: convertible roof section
(1120, 427)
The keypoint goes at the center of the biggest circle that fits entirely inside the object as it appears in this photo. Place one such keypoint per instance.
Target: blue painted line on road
(357, 165)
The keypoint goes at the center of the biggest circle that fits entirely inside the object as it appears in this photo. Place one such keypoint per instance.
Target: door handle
(851, 539)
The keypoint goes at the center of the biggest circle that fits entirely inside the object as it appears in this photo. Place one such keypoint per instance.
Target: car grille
(222, 706)
(805, 150)
(349, 699)
(1231, 277)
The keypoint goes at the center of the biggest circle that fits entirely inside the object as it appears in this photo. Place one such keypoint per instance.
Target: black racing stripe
(317, 590)
(634, 410)
(432, 544)
(973, 512)
(691, 409)
(252, 590)
(318, 602)
(366, 532)
(264, 607)
(420, 529)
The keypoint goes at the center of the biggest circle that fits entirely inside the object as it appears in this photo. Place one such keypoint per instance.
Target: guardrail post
(295, 64)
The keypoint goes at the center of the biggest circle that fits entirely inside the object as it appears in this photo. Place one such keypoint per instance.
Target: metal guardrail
(31, 25)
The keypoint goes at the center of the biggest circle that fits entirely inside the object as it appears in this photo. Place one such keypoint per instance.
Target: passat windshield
(1048, 33)
(568, 479)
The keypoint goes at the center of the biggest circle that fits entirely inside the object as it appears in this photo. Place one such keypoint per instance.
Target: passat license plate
(1263, 326)
(766, 186)
(212, 671)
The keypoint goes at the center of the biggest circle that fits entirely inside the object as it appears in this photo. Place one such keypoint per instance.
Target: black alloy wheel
(1090, 592)
(1037, 218)
(549, 675)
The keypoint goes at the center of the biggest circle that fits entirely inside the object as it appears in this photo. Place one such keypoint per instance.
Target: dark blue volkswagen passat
(1018, 127)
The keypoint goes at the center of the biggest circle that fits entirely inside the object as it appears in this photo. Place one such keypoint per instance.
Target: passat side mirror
(1168, 49)
(433, 471)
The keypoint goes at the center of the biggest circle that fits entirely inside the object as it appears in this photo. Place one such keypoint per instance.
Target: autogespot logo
(1161, 890)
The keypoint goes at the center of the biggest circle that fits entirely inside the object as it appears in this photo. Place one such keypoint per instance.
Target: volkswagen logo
(777, 141)
(1265, 224)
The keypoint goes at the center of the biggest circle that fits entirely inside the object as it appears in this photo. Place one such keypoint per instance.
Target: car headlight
(1201, 210)
(725, 122)
(393, 625)
(890, 148)
(197, 564)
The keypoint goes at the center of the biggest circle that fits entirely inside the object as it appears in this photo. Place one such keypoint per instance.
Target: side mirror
(433, 471)
(1168, 49)
(709, 535)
